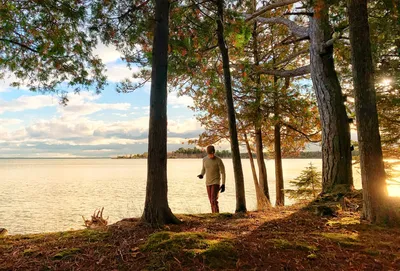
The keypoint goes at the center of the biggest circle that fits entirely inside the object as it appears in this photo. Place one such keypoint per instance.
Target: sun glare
(386, 82)
(394, 190)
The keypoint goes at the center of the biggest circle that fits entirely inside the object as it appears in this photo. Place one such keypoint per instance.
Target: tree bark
(156, 209)
(237, 164)
(279, 184)
(375, 207)
(262, 201)
(262, 169)
(280, 193)
(336, 153)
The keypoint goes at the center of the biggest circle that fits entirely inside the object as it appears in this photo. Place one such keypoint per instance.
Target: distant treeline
(200, 153)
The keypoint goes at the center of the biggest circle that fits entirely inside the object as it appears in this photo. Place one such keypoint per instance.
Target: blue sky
(35, 125)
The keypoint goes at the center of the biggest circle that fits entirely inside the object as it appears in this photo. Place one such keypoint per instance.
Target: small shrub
(308, 184)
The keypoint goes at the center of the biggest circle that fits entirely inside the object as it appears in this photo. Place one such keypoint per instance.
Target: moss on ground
(29, 252)
(221, 254)
(215, 252)
(66, 253)
(171, 241)
(285, 244)
(343, 221)
(342, 239)
(372, 252)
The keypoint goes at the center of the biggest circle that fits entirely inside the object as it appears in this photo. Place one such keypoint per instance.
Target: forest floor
(284, 238)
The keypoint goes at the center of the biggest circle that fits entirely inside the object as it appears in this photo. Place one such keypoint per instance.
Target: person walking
(213, 167)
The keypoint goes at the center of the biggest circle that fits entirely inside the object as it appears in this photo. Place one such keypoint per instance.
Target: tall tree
(375, 208)
(262, 200)
(259, 116)
(279, 183)
(156, 209)
(140, 30)
(336, 159)
(336, 153)
(237, 164)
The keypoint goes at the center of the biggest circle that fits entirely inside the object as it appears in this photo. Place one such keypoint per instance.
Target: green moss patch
(372, 252)
(285, 244)
(344, 221)
(343, 239)
(66, 253)
(221, 254)
(29, 252)
(171, 241)
(214, 252)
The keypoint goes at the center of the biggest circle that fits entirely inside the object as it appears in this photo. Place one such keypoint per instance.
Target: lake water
(46, 195)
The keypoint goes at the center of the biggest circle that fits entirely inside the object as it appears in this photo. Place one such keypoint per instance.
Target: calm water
(45, 195)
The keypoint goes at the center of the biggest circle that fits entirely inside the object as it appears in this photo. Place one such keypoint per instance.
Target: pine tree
(308, 184)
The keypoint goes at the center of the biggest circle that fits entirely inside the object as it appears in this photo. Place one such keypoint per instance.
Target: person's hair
(210, 149)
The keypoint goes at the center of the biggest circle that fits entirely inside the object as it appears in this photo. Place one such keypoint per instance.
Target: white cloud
(117, 72)
(7, 80)
(185, 126)
(58, 129)
(6, 122)
(120, 115)
(107, 53)
(83, 104)
(181, 101)
(27, 102)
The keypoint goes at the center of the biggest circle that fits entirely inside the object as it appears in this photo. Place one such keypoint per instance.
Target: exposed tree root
(97, 220)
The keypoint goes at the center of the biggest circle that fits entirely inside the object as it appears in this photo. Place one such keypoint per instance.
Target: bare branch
(288, 41)
(269, 7)
(20, 45)
(299, 13)
(296, 29)
(291, 57)
(302, 133)
(287, 73)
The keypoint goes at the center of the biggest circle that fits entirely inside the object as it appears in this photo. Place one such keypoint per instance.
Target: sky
(91, 125)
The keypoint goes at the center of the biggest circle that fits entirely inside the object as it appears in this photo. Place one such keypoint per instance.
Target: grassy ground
(281, 239)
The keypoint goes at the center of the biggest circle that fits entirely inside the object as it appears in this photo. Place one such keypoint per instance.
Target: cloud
(107, 53)
(57, 129)
(23, 103)
(6, 122)
(84, 104)
(135, 129)
(188, 128)
(6, 81)
(117, 72)
(181, 101)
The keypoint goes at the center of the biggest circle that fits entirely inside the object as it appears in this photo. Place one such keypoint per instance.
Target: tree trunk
(279, 184)
(237, 164)
(262, 169)
(156, 209)
(262, 201)
(280, 193)
(336, 153)
(375, 208)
